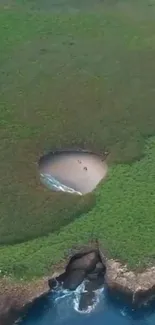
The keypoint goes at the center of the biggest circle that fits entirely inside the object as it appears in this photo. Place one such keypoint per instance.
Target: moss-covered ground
(76, 78)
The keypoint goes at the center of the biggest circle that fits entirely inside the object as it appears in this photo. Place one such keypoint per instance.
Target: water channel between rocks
(64, 308)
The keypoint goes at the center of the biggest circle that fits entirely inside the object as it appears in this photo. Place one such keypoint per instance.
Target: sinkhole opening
(73, 171)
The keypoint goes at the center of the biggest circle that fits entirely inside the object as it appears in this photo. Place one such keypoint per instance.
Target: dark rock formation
(83, 261)
(99, 270)
(137, 287)
(86, 300)
(56, 281)
(53, 283)
(74, 279)
(82, 265)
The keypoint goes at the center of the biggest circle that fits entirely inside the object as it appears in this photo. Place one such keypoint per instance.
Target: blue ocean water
(65, 308)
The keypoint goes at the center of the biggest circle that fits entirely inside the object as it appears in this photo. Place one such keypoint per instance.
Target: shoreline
(79, 170)
(137, 287)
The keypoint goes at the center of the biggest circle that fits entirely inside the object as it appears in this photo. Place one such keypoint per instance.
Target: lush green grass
(123, 220)
(81, 79)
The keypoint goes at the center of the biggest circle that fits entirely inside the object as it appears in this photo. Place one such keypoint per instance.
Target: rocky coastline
(87, 262)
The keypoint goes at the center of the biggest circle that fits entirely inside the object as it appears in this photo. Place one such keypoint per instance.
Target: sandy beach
(81, 171)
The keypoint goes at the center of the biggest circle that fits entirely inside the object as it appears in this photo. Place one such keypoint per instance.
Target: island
(71, 80)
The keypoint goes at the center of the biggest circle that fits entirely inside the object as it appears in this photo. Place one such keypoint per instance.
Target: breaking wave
(53, 184)
(90, 307)
(74, 297)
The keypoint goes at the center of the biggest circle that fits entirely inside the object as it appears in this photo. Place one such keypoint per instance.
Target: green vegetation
(23, 227)
(122, 219)
(83, 79)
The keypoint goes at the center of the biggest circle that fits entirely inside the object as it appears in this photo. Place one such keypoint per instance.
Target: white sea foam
(77, 295)
(54, 184)
(123, 312)
(73, 298)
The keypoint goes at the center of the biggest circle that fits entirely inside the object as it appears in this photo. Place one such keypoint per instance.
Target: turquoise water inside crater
(67, 308)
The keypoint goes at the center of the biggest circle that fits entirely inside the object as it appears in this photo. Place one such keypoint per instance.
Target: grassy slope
(56, 70)
(123, 220)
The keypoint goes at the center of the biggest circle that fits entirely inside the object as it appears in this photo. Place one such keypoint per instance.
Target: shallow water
(62, 308)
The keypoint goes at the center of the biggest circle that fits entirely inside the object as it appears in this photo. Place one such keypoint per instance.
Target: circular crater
(73, 171)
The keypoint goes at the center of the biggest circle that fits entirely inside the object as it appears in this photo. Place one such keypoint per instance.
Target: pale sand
(81, 171)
